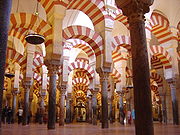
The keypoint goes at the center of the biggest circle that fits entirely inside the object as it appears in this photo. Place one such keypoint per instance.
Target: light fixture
(9, 75)
(32, 37)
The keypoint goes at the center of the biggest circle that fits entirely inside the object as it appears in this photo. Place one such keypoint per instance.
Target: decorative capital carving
(63, 89)
(53, 66)
(15, 91)
(27, 84)
(171, 80)
(134, 9)
(104, 76)
(69, 95)
(95, 91)
(121, 93)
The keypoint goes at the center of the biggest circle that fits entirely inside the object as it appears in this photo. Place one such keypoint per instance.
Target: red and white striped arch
(49, 4)
(156, 62)
(84, 66)
(14, 55)
(157, 78)
(162, 54)
(80, 94)
(79, 74)
(155, 90)
(37, 77)
(32, 22)
(20, 34)
(78, 87)
(86, 34)
(122, 18)
(80, 81)
(116, 75)
(117, 56)
(160, 27)
(77, 43)
(82, 60)
(121, 40)
(38, 60)
(117, 43)
(94, 9)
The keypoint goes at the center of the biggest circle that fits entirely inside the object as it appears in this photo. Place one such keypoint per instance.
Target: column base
(105, 125)
(51, 127)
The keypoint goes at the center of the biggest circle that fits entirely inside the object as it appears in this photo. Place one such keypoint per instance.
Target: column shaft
(26, 105)
(61, 113)
(68, 109)
(90, 110)
(174, 104)
(52, 102)
(14, 107)
(142, 93)
(5, 9)
(104, 99)
(94, 108)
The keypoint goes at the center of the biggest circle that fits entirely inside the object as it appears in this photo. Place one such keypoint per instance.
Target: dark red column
(5, 9)
(135, 10)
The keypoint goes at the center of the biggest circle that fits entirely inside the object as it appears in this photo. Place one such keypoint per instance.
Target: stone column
(135, 10)
(104, 98)
(94, 105)
(172, 84)
(53, 68)
(163, 102)
(87, 110)
(14, 93)
(90, 109)
(68, 108)
(110, 109)
(121, 107)
(27, 85)
(62, 99)
(5, 10)
(41, 105)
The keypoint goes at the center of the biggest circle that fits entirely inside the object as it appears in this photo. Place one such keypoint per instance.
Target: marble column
(90, 109)
(41, 107)
(135, 11)
(53, 69)
(14, 104)
(68, 108)
(163, 102)
(87, 111)
(62, 99)
(121, 107)
(172, 84)
(27, 85)
(104, 98)
(94, 106)
(5, 10)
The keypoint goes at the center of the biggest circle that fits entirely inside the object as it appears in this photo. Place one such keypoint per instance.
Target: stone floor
(83, 129)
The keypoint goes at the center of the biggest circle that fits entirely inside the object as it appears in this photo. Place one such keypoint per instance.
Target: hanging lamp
(34, 38)
(9, 75)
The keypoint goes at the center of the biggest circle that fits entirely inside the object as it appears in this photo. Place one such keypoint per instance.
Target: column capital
(95, 91)
(63, 89)
(43, 92)
(172, 80)
(134, 9)
(68, 96)
(27, 84)
(53, 66)
(121, 93)
(15, 91)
